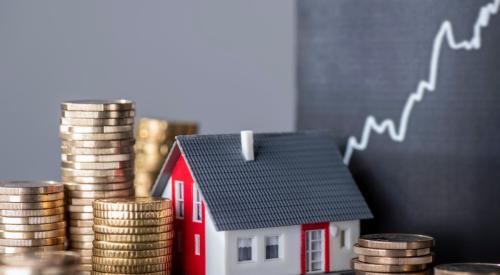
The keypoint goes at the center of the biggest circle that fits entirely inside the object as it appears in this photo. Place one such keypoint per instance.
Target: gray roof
(296, 178)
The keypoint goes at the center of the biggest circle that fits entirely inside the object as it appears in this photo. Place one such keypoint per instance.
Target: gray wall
(225, 63)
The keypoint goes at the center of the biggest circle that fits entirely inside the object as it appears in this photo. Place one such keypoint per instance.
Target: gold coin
(80, 245)
(129, 261)
(467, 269)
(359, 272)
(49, 261)
(101, 194)
(154, 148)
(84, 252)
(391, 252)
(86, 259)
(133, 223)
(134, 238)
(98, 187)
(31, 242)
(32, 234)
(357, 265)
(131, 246)
(132, 230)
(29, 187)
(165, 272)
(32, 198)
(80, 208)
(98, 105)
(85, 268)
(98, 158)
(32, 220)
(97, 173)
(24, 249)
(81, 216)
(81, 238)
(97, 136)
(96, 151)
(142, 191)
(396, 241)
(125, 254)
(96, 121)
(33, 227)
(81, 230)
(32, 212)
(97, 165)
(95, 180)
(137, 269)
(98, 114)
(98, 143)
(132, 215)
(78, 201)
(396, 261)
(81, 223)
(32, 205)
(132, 204)
(67, 129)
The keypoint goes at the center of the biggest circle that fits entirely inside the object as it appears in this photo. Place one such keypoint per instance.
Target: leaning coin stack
(31, 216)
(97, 159)
(393, 253)
(467, 269)
(132, 235)
(41, 263)
(154, 138)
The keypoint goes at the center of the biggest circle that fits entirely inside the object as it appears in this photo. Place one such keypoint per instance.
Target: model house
(261, 204)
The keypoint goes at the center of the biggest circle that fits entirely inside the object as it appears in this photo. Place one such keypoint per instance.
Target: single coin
(32, 198)
(125, 254)
(134, 238)
(97, 173)
(396, 241)
(32, 234)
(86, 259)
(96, 121)
(129, 261)
(80, 245)
(136, 269)
(97, 165)
(132, 204)
(78, 201)
(24, 249)
(67, 129)
(81, 223)
(31, 242)
(98, 143)
(96, 151)
(132, 215)
(97, 136)
(132, 230)
(360, 272)
(84, 252)
(32, 212)
(101, 194)
(50, 261)
(29, 187)
(131, 246)
(391, 252)
(31, 205)
(81, 208)
(467, 269)
(98, 158)
(33, 227)
(81, 238)
(98, 187)
(98, 114)
(81, 230)
(165, 272)
(396, 261)
(95, 180)
(357, 265)
(32, 220)
(86, 268)
(133, 223)
(81, 216)
(97, 105)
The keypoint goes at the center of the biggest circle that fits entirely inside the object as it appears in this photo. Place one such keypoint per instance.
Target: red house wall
(185, 260)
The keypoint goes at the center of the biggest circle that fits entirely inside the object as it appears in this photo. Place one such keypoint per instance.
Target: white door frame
(309, 251)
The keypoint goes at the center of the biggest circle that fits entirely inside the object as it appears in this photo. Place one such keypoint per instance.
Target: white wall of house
(215, 248)
(340, 256)
(167, 193)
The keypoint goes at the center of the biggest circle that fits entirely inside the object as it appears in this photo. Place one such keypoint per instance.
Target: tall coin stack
(393, 253)
(96, 162)
(31, 216)
(41, 263)
(154, 138)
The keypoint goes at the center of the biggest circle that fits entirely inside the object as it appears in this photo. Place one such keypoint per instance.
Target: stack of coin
(154, 138)
(40, 263)
(467, 269)
(393, 253)
(31, 216)
(132, 235)
(97, 162)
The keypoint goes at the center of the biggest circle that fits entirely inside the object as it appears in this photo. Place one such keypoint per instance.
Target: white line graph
(445, 33)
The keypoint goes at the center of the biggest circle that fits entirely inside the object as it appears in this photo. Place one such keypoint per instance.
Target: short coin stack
(393, 253)
(132, 235)
(467, 269)
(40, 263)
(154, 138)
(96, 162)
(31, 216)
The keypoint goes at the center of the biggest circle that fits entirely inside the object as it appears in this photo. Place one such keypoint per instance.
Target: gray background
(225, 63)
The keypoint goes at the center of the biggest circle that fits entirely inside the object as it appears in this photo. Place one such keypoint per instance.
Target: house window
(272, 247)
(244, 249)
(196, 244)
(342, 239)
(196, 204)
(179, 199)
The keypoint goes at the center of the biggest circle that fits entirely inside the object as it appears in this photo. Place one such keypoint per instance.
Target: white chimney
(247, 145)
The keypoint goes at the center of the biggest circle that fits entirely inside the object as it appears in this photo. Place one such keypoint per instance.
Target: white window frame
(197, 243)
(309, 251)
(280, 245)
(252, 248)
(179, 200)
(197, 208)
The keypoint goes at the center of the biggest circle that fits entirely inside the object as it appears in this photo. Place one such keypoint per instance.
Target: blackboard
(413, 89)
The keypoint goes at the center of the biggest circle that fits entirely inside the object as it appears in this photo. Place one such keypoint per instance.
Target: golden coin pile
(467, 269)
(97, 160)
(31, 216)
(40, 263)
(393, 253)
(154, 138)
(132, 235)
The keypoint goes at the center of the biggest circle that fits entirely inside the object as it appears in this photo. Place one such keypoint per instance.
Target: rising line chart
(444, 34)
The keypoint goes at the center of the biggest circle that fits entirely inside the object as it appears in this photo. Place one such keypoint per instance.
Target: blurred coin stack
(40, 263)
(154, 138)
(132, 235)
(97, 159)
(31, 216)
(467, 269)
(393, 253)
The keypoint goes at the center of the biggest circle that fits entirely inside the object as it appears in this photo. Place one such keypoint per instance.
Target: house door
(315, 249)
